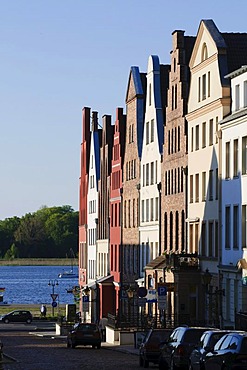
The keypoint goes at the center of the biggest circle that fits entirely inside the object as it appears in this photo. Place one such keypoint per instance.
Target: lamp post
(130, 293)
(53, 283)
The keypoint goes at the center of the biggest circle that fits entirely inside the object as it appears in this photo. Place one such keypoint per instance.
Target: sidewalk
(130, 349)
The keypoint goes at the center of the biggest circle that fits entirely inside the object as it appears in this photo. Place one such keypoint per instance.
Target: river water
(29, 284)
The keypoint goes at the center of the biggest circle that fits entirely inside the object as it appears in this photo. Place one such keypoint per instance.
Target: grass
(34, 309)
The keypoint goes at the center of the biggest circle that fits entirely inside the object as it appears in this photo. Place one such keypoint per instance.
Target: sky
(57, 56)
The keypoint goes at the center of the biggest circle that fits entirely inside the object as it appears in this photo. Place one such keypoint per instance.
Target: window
(235, 226)
(216, 238)
(147, 133)
(235, 158)
(175, 98)
(217, 133)
(216, 184)
(199, 89)
(204, 87)
(211, 132)
(129, 224)
(192, 139)
(156, 209)
(203, 239)
(244, 155)
(197, 137)
(196, 237)
(204, 52)
(208, 84)
(169, 142)
(178, 138)
(143, 210)
(151, 209)
(152, 131)
(244, 226)
(197, 188)
(191, 246)
(211, 185)
(152, 173)
(237, 102)
(227, 160)
(147, 210)
(245, 93)
(191, 188)
(203, 134)
(227, 227)
(204, 190)
(210, 238)
(147, 174)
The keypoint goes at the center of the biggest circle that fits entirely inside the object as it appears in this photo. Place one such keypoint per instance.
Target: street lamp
(53, 283)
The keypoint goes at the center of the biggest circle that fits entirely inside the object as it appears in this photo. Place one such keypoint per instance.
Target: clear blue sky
(57, 56)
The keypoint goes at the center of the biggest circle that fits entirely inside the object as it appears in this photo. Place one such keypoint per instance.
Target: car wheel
(29, 321)
(145, 363)
(98, 346)
(6, 321)
(140, 361)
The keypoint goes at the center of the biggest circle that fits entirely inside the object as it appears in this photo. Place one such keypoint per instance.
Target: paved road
(39, 353)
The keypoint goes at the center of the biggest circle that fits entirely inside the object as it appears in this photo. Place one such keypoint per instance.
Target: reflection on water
(29, 284)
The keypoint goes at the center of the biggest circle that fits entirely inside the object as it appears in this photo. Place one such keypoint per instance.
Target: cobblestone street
(39, 353)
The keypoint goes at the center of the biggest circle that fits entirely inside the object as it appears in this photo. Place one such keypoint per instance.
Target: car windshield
(87, 327)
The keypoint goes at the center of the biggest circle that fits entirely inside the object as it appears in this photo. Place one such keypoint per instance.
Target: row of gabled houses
(163, 200)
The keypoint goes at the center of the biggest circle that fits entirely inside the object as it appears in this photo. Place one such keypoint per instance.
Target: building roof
(238, 114)
(158, 263)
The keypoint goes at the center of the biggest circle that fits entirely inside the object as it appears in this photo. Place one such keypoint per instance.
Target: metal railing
(146, 321)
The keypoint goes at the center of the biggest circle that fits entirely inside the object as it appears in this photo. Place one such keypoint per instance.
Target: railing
(241, 321)
(146, 321)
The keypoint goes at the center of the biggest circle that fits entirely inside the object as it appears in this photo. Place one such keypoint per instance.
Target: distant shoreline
(38, 262)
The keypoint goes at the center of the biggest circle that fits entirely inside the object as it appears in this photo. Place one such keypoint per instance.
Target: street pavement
(126, 348)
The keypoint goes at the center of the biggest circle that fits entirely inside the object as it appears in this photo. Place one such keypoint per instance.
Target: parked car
(230, 352)
(176, 352)
(206, 344)
(17, 316)
(84, 334)
(149, 350)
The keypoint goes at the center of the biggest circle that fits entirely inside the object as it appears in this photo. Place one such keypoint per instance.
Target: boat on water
(69, 274)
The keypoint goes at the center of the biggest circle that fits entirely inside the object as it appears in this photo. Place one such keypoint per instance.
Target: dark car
(149, 350)
(84, 334)
(176, 352)
(230, 352)
(17, 316)
(206, 344)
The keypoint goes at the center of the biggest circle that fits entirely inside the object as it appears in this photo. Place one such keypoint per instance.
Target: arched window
(204, 52)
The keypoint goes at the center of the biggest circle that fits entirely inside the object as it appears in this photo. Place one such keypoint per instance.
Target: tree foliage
(47, 233)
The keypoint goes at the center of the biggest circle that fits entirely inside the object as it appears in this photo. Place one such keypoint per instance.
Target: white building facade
(153, 135)
(234, 199)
